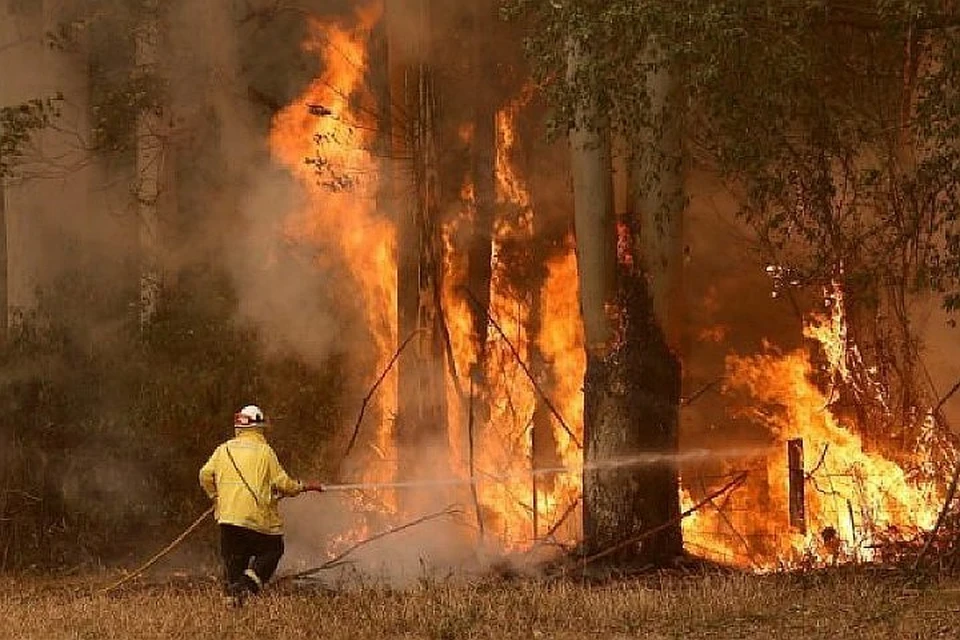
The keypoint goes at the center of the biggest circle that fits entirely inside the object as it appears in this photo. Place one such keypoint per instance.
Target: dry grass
(848, 604)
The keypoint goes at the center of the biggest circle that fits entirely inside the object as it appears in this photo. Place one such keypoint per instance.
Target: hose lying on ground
(152, 561)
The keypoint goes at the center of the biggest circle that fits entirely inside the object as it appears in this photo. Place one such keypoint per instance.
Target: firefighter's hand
(314, 486)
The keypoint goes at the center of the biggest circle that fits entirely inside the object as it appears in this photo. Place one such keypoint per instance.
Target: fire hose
(156, 558)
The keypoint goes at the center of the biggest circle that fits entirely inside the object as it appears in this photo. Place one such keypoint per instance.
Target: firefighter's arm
(282, 483)
(208, 476)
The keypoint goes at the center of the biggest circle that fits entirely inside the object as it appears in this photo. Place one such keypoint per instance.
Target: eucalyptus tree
(835, 124)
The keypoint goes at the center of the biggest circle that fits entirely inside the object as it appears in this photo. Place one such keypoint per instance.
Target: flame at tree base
(854, 497)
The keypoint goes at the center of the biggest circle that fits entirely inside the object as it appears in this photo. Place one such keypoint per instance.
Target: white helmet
(249, 416)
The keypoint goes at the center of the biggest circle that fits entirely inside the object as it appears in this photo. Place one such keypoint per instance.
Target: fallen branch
(730, 486)
(152, 561)
(338, 559)
(448, 348)
(523, 366)
(373, 389)
(723, 515)
(816, 467)
(472, 461)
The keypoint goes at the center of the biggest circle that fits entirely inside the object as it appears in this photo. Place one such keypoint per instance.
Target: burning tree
(529, 351)
(632, 384)
(834, 127)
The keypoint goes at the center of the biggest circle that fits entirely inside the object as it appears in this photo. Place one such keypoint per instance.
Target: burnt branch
(946, 397)
(373, 389)
(338, 559)
(948, 501)
(730, 486)
(516, 354)
(686, 402)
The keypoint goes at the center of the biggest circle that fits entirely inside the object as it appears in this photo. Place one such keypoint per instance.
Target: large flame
(855, 498)
(326, 142)
(516, 504)
(858, 494)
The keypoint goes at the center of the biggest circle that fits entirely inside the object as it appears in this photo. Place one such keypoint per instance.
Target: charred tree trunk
(483, 169)
(482, 159)
(546, 238)
(632, 382)
(543, 442)
(631, 404)
(421, 411)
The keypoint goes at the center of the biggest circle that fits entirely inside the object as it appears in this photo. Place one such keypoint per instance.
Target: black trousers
(243, 549)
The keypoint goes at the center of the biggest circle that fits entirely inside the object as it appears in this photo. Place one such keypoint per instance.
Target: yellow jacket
(254, 507)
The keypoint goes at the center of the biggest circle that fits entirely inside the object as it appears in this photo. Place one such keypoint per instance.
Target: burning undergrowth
(504, 468)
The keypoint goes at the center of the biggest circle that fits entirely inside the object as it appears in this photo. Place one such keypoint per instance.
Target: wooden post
(796, 480)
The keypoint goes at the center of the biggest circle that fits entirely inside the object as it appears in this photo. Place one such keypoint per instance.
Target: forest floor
(845, 603)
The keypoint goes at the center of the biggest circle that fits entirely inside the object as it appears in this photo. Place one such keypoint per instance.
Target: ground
(861, 603)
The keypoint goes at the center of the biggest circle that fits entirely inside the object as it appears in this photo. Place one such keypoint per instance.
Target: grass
(858, 603)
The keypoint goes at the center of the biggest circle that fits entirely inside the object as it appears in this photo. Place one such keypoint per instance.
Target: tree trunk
(631, 406)
(421, 414)
(657, 199)
(632, 382)
(149, 166)
(483, 169)
(4, 283)
(593, 220)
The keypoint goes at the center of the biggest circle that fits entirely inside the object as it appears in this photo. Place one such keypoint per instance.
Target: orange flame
(858, 493)
(340, 177)
(855, 497)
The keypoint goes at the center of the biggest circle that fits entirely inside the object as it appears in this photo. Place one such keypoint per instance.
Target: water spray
(639, 460)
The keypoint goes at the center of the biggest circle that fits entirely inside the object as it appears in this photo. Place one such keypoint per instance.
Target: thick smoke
(227, 70)
(279, 285)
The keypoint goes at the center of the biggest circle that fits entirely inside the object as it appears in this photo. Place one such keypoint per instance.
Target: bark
(632, 382)
(631, 397)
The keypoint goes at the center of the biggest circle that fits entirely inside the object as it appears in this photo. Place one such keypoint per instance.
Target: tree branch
(516, 354)
(373, 389)
(730, 486)
(449, 511)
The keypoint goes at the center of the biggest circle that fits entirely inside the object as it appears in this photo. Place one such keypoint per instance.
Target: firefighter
(245, 480)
